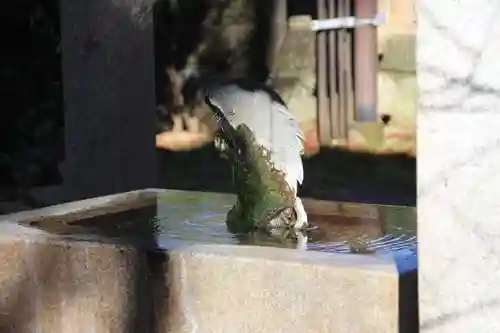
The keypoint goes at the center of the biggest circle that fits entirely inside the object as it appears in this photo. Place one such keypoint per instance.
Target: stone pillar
(458, 52)
(294, 76)
(109, 96)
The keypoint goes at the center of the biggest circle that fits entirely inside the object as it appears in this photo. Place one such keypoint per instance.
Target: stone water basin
(357, 275)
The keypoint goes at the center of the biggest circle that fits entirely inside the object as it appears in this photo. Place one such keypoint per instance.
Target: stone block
(398, 52)
(252, 289)
(458, 161)
(63, 270)
(294, 75)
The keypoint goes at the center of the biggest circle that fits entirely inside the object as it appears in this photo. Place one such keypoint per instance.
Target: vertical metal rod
(349, 112)
(342, 12)
(332, 76)
(366, 63)
(323, 114)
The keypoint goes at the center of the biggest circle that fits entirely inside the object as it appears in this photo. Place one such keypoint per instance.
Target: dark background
(32, 136)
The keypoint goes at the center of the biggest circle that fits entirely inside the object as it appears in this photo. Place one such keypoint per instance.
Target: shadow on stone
(408, 302)
(55, 283)
(17, 311)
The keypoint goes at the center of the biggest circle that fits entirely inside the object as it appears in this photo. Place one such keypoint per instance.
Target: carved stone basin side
(143, 259)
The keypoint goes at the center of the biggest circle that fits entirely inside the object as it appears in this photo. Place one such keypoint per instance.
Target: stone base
(77, 282)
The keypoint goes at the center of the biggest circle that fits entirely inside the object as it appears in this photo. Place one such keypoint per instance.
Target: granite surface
(458, 161)
(56, 282)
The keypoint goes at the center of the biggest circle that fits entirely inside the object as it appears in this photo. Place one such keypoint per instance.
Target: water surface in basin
(179, 217)
(337, 227)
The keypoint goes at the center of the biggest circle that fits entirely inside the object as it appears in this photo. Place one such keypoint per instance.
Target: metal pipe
(323, 110)
(342, 56)
(348, 115)
(332, 75)
(366, 63)
(345, 22)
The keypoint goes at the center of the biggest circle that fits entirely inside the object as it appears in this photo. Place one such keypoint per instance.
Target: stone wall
(458, 141)
(397, 90)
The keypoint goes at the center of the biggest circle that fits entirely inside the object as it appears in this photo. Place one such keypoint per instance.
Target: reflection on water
(179, 217)
(345, 228)
(330, 234)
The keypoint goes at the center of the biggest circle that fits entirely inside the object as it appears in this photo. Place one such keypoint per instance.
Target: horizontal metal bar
(346, 22)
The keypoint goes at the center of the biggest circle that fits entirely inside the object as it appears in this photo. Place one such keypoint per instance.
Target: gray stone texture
(458, 70)
(67, 283)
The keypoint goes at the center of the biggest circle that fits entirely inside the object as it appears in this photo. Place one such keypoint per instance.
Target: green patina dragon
(264, 198)
(266, 169)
